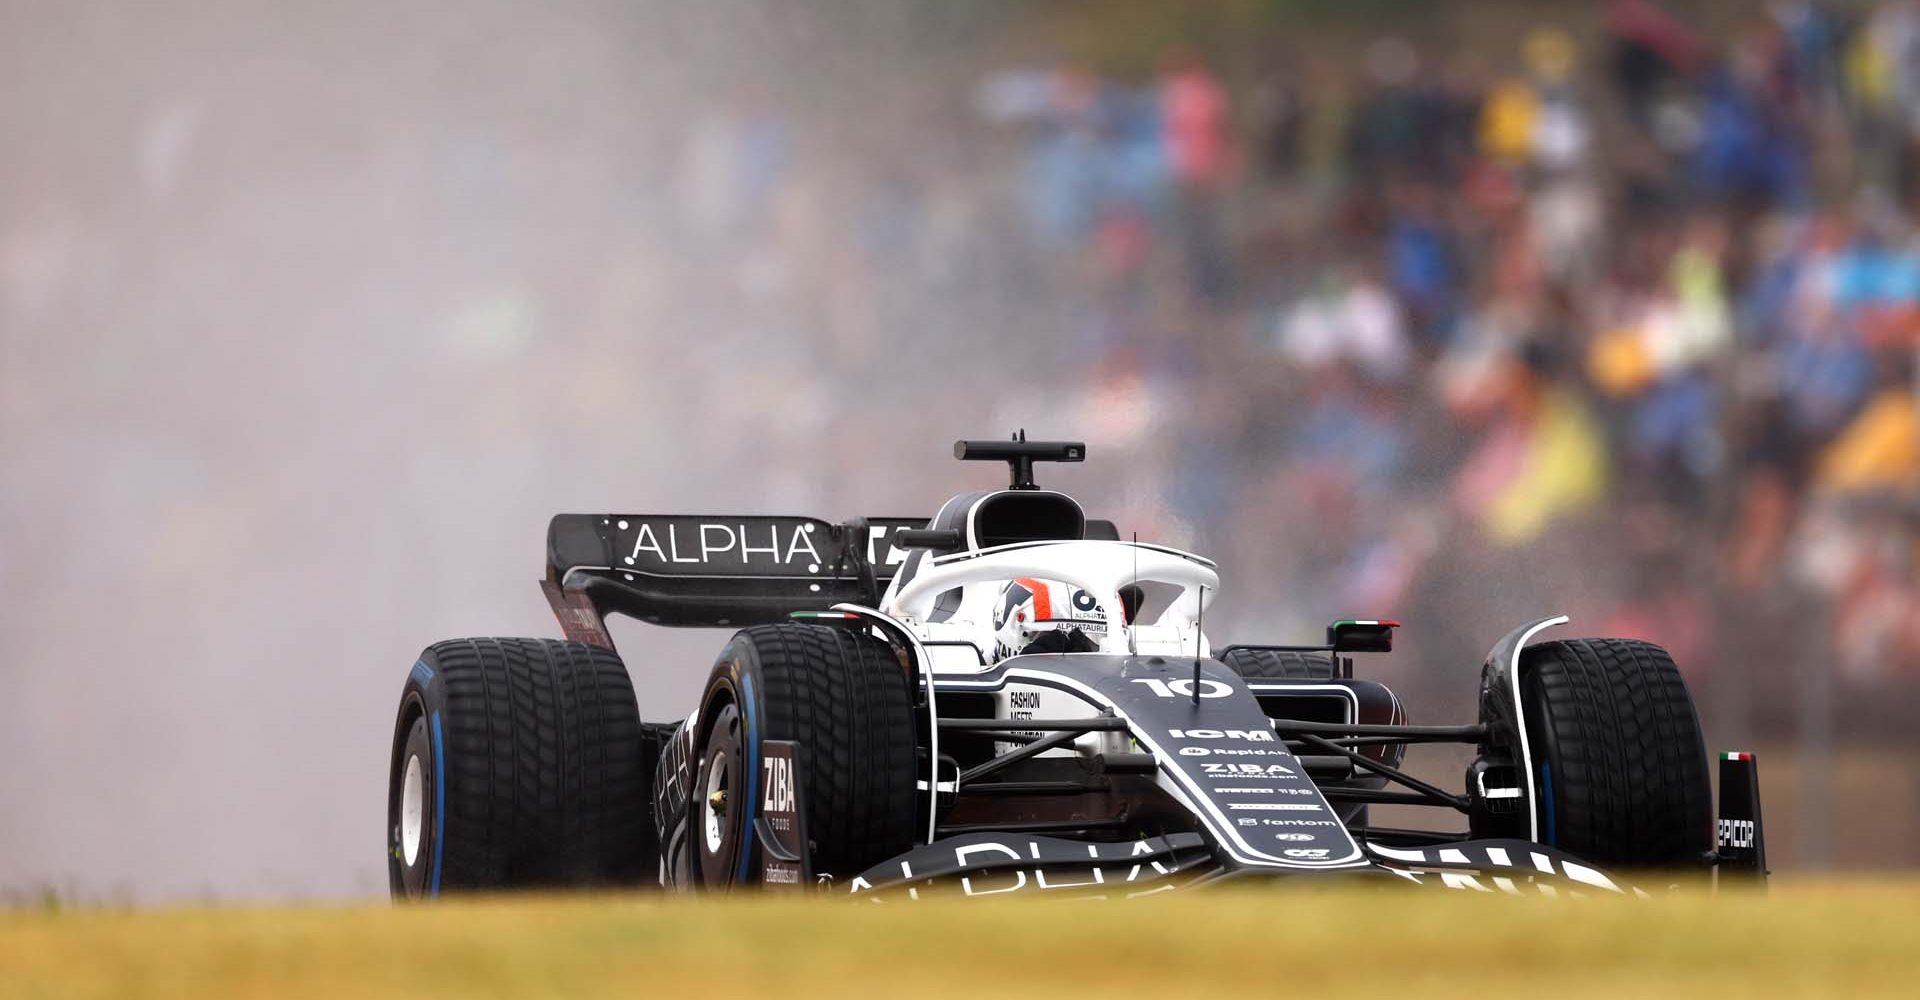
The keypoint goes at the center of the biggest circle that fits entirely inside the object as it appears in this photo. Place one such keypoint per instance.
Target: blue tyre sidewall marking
(750, 757)
(439, 805)
(1546, 803)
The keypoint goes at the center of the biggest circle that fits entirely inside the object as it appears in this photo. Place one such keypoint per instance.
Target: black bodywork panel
(1215, 746)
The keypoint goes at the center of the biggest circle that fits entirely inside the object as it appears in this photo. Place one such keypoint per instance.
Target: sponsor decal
(1184, 687)
(1251, 770)
(1268, 821)
(989, 883)
(777, 778)
(779, 805)
(1291, 838)
(1250, 735)
(780, 873)
(1194, 751)
(1021, 704)
(1231, 752)
(706, 540)
(1307, 853)
(1248, 821)
(765, 544)
(1736, 833)
(1275, 806)
(1248, 790)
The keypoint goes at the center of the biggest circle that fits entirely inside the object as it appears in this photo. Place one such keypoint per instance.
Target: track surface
(1854, 939)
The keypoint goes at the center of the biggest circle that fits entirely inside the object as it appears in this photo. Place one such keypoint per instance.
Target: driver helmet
(1035, 615)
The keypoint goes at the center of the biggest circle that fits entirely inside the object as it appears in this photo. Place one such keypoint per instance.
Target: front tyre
(1619, 764)
(517, 763)
(844, 697)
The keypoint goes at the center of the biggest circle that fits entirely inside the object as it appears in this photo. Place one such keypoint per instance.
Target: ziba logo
(777, 773)
(1242, 770)
(1183, 688)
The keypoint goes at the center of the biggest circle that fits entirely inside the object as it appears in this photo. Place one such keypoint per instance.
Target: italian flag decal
(1736, 755)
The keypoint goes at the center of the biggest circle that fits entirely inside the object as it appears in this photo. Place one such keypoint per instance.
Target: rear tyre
(844, 697)
(1619, 763)
(517, 763)
(1281, 664)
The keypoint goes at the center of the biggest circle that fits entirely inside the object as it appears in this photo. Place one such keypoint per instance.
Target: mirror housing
(1360, 636)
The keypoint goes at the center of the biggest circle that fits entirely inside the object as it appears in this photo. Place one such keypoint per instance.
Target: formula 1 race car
(1008, 697)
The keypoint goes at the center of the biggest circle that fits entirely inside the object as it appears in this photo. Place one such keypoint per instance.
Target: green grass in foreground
(1852, 939)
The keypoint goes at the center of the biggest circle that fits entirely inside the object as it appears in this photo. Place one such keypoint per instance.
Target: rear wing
(700, 571)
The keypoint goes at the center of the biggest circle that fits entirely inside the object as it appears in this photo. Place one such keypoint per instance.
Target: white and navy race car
(1007, 697)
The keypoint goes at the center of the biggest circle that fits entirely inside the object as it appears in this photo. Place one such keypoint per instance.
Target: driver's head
(1035, 616)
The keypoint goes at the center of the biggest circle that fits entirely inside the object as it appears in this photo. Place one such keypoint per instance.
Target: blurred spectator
(1630, 308)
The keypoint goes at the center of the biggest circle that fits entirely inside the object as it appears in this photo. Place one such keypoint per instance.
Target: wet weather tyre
(844, 697)
(1620, 765)
(1283, 664)
(518, 763)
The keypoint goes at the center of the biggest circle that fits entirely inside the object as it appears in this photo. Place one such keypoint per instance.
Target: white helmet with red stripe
(1029, 608)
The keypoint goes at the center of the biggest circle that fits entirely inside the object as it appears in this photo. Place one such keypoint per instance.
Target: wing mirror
(1352, 636)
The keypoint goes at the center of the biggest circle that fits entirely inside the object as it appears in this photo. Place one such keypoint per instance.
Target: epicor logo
(1183, 688)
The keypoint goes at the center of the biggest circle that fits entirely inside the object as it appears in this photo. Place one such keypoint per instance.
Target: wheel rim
(413, 806)
(713, 803)
(715, 819)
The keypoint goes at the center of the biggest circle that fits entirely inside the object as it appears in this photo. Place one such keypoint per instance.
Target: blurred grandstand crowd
(1624, 325)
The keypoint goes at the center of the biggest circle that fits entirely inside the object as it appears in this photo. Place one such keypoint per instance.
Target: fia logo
(777, 776)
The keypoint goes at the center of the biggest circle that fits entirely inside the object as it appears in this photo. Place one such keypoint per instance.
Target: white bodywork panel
(1099, 567)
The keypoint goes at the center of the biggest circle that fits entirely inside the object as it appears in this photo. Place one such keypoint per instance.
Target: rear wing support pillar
(579, 620)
